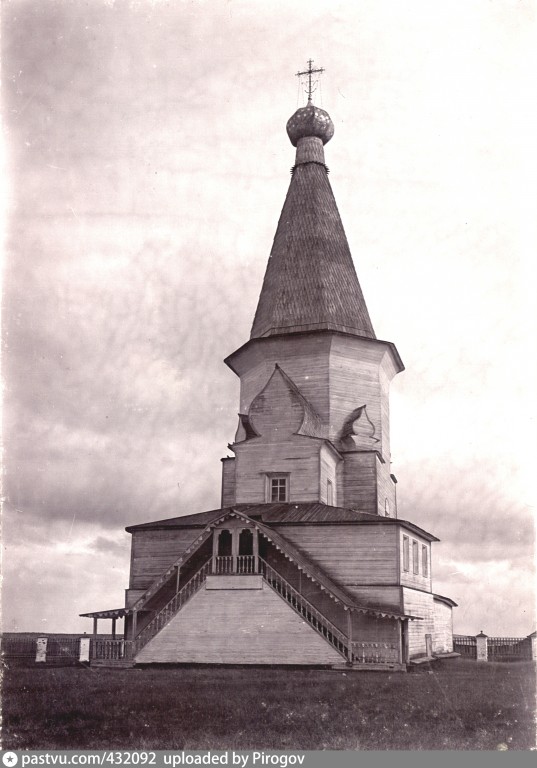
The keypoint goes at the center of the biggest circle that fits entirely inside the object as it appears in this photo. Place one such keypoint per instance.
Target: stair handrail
(340, 641)
(173, 606)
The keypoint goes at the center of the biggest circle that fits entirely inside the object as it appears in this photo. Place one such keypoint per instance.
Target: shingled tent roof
(310, 281)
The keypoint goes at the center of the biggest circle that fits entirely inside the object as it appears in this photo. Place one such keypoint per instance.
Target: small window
(406, 553)
(329, 493)
(424, 560)
(279, 488)
(415, 557)
(386, 507)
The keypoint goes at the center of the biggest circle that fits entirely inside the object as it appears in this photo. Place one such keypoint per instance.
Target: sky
(146, 164)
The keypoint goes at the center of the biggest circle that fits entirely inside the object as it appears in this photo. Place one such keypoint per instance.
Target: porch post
(134, 622)
(178, 578)
(216, 536)
(349, 636)
(400, 648)
(95, 621)
(256, 550)
(114, 628)
(235, 533)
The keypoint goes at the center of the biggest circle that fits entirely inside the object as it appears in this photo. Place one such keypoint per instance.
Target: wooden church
(306, 560)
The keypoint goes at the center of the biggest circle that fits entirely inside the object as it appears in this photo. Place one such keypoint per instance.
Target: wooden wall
(409, 578)
(385, 490)
(443, 626)
(328, 471)
(304, 358)
(336, 373)
(359, 488)
(350, 554)
(246, 626)
(420, 604)
(228, 482)
(390, 597)
(368, 629)
(297, 455)
(153, 551)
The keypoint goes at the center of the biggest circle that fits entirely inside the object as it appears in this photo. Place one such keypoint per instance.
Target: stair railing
(173, 606)
(304, 608)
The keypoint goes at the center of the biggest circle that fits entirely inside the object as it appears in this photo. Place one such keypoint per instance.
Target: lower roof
(287, 513)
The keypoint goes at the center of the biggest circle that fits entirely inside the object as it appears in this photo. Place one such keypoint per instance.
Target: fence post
(533, 640)
(84, 654)
(481, 646)
(41, 649)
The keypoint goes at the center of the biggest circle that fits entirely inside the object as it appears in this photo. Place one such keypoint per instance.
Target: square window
(278, 488)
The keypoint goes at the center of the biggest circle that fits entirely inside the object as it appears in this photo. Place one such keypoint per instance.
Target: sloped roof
(284, 513)
(310, 281)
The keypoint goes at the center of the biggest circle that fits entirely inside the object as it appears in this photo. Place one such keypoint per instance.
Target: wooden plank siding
(420, 604)
(359, 488)
(154, 551)
(385, 490)
(408, 577)
(349, 554)
(336, 373)
(328, 470)
(354, 382)
(443, 626)
(388, 597)
(304, 358)
(297, 455)
(248, 626)
(228, 482)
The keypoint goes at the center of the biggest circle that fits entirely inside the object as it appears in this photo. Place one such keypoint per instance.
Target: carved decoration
(358, 430)
(245, 430)
(280, 408)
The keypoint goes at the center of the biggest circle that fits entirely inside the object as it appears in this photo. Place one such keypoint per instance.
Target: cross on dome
(309, 72)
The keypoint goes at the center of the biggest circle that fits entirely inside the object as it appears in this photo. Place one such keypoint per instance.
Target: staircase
(120, 653)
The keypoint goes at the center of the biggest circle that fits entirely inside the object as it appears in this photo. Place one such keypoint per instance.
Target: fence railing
(484, 648)
(52, 650)
(509, 648)
(375, 653)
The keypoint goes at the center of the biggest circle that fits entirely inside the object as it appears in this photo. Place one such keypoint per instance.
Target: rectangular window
(329, 493)
(415, 557)
(279, 487)
(424, 560)
(406, 553)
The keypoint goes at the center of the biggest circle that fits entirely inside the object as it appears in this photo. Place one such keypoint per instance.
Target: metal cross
(309, 72)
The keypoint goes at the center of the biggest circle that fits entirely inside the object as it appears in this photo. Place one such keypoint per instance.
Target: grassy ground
(462, 706)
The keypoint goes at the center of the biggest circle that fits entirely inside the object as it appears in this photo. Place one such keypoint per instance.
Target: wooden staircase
(121, 653)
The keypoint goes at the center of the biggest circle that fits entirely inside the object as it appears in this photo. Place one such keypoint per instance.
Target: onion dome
(310, 121)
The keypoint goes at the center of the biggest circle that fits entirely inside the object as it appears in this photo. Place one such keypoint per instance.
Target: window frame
(277, 476)
(406, 553)
(329, 492)
(415, 557)
(425, 560)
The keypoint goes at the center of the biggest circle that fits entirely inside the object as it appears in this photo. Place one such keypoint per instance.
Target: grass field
(462, 706)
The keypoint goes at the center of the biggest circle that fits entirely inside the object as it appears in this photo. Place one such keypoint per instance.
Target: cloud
(148, 167)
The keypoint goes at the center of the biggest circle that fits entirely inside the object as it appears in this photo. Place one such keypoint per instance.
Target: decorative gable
(280, 409)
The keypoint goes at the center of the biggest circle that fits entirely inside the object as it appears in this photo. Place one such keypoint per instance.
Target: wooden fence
(36, 650)
(484, 648)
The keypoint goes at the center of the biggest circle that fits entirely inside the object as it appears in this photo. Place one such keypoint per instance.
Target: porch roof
(113, 613)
